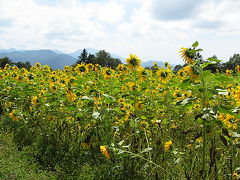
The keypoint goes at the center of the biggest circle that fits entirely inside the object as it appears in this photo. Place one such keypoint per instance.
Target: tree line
(19, 64)
(105, 59)
(221, 67)
(102, 58)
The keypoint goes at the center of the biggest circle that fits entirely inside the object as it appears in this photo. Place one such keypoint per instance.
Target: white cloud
(153, 29)
(68, 20)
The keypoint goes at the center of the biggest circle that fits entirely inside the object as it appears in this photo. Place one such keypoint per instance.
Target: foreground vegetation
(91, 122)
(16, 164)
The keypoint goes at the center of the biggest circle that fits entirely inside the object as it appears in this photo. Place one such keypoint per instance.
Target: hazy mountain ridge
(56, 59)
(151, 63)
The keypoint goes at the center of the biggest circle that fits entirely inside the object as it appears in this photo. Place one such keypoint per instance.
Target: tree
(83, 58)
(114, 62)
(26, 65)
(104, 59)
(4, 61)
(232, 63)
(214, 67)
(177, 67)
(90, 58)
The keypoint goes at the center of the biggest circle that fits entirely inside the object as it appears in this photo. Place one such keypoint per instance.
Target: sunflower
(186, 55)
(168, 145)
(164, 75)
(237, 68)
(107, 73)
(235, 175)
(192, 72)
(52, 87)
(14, 68)
(90, 67)
(71, 96)
(197, 106)
(132, 86)
(228, 72)
(97, 67)
(34, 100)
(181, 74)
(7, 67)
(143, 73)
(105, 152)
(38, 65)
(229, 121)
(122, 68)
(139, 105)
(13, 116)
(81, 68)
(237, 94)
(133, 61)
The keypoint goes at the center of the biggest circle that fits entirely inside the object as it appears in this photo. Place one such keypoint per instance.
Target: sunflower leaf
(195, 44)
(214, 59)
(146, 150)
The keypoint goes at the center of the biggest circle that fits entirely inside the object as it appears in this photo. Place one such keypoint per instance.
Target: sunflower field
(92, 122)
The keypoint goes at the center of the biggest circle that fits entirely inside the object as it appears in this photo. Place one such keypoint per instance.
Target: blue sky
(152, 29)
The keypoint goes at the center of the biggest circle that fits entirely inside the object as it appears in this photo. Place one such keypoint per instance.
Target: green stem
(204, 101)
(151, 162)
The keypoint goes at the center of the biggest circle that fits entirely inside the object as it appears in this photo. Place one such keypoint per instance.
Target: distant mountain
(57, 51)
(56, 61)
(59, 61)
(77, 53)
(9, 50)
(150, 63)
(159, 63)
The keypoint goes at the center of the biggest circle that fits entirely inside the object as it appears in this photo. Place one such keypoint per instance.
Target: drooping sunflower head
(237, 68)
(168, 145)
(97, 67)
(105, 152)
(187, 56)
(228, 72)
(71, 96)
(143, 73)
(192, 72)
(237, 94)
(122, 68)
(133, 61)
(13, 115)
(164, 75)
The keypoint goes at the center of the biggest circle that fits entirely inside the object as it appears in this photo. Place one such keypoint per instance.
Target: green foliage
(16, 164)
(26, 65)
(102, 58)
(232, 63)
(95, 122)
(85, 57)
(177, 67)
(4, 61)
